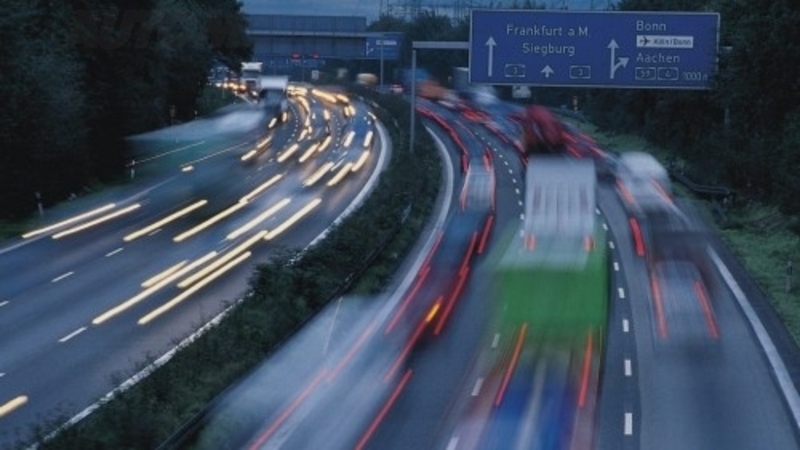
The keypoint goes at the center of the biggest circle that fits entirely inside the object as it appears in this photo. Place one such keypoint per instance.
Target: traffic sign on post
(618, 49)
(383, 46)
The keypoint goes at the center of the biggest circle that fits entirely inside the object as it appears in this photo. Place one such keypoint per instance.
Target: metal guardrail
(701, 189)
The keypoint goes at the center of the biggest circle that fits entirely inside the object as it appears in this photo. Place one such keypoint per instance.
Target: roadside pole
(39, 205)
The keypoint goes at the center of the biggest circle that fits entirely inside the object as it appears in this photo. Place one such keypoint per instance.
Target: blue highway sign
(390, 42)
(619, 49)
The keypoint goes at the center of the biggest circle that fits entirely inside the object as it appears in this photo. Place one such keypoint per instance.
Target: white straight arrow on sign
(547, 71)
(490, 43)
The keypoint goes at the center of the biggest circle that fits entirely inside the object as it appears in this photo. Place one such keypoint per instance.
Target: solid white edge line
(413, 271)
(778, 367)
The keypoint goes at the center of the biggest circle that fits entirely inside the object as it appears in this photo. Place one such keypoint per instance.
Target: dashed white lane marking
(521, 216)
(453, 443)
(154, 232)
(616, 266)
(517, 191)
(505, 162)
(510, 171)
(113, 252)
(72, 335)
(514, 180)
(628, 369)
(621, 292)
(520, 204)
(628, 424)
(496, 340)
(625, 326)
(477, 388)
(4, 303)
(61, 277)
(611, 244)
(597, 211)
(605, 226)
(2, 374)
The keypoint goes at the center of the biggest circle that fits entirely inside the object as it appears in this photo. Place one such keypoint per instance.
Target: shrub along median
(362, 253)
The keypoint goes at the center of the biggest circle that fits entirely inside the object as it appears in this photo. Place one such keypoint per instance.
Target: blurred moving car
(542, 132)
(643, 184)
(682, 310)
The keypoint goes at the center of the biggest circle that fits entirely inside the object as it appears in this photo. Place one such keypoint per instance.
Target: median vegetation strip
(361, 253)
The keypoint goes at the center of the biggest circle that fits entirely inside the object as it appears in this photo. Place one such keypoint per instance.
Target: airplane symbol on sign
(643, 41)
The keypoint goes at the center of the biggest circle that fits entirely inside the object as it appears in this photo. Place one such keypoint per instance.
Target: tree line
(77, 76)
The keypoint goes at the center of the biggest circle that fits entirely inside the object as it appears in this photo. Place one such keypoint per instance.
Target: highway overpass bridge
(294, 45)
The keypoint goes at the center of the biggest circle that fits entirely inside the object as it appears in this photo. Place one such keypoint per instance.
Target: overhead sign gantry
(664, 50)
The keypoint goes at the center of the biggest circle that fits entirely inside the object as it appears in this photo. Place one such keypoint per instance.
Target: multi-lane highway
(121, 277)
(405, 373)
(437, 386)
(426, 366)
(719, 390)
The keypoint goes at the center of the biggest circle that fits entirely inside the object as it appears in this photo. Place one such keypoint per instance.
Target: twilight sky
(371, 8)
